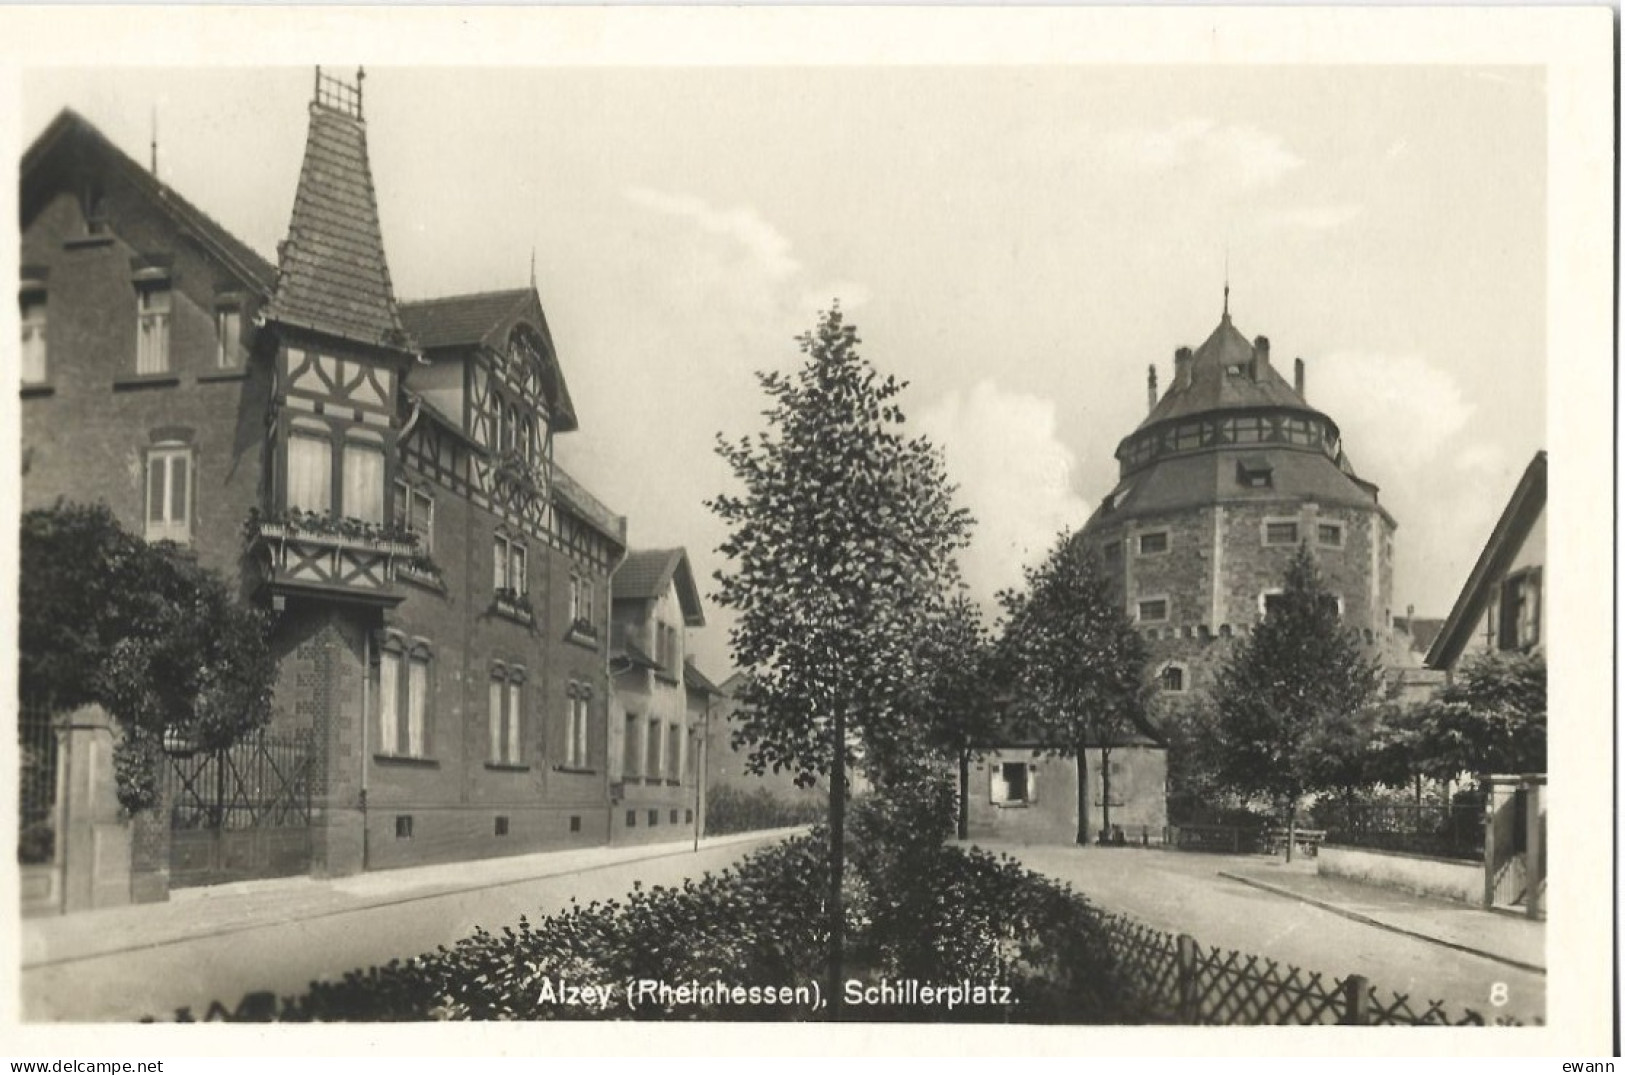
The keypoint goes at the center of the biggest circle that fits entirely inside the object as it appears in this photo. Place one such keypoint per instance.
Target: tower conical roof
(332, 276)
(1225, 373)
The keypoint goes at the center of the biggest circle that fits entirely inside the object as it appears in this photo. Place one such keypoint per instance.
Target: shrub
(727, 809)
(917, 909)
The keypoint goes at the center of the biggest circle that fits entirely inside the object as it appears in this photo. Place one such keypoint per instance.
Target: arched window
(1172, 678)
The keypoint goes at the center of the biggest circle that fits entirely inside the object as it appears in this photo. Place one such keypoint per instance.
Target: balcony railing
(338, 557)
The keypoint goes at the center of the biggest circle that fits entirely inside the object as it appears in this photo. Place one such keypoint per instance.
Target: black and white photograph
(1029, 521)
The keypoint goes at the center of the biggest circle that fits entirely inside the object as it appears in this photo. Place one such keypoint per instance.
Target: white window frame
(403, 684)
(408, 499)
(1139, 609)
(1139, 543)
(575, 728)
(229, 352)
(506, 708)
(1320, 537)
(155, 302)
(998, 790)
(1292, 521)
(171, 524)
(354, 449)
(325, 440)
(34, 313)
(510, 564)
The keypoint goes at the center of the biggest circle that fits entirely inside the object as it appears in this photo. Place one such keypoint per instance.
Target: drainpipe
(366, 720)
(609, 683)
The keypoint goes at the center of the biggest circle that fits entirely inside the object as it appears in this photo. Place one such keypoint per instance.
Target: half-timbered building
(378, 474)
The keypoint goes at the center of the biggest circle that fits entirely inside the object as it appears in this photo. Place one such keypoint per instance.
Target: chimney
(1151, 387)
(1297, 375)
(1182, 368)
(1261, 355)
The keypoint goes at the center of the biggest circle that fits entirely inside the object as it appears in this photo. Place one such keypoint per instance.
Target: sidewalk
(219, 910)
(1517, 942)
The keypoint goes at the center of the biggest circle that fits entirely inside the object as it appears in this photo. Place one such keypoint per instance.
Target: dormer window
(228, 327)
(152, 327)
(1254, 472)
(34, 369)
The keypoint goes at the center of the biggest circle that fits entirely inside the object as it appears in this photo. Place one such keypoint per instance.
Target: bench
(1308, 840)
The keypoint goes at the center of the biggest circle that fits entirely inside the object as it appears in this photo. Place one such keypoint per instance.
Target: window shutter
(998, 791)
(1032, 783)
(389, 671)
(496, 720)
(499, 564)
(513, 722)
(155, 489)
(178, 486)
(417, 689)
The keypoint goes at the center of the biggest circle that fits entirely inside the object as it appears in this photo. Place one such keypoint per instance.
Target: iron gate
(241, 812)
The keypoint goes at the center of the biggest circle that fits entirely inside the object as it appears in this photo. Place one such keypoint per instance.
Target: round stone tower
(1230, 472)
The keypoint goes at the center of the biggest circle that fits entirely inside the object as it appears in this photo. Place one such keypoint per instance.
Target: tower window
(1172, 679)
(1154, 610)
(1280, 532)
(1330, 535)
(1254, 472)
(1153, 543)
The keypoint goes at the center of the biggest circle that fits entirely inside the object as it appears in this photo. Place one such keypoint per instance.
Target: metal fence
(37, 750)
(1454, 831)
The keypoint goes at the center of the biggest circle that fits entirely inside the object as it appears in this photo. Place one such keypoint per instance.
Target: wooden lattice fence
(1172, 979)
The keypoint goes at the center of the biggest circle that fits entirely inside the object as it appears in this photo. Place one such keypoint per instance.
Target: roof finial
(154, 165)
(1227, 281)
(533, 267)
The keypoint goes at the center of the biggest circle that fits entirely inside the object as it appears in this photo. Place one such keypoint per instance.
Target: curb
(372, 902)
(1378, 923)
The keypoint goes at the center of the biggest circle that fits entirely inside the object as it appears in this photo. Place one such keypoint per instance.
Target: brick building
(661, 699)
(1230, 472)
(380, 474)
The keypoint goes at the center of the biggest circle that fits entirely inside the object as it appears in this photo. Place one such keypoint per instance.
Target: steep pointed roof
(645, 574)
(71, 140)
(333, 277)
(1225, 373)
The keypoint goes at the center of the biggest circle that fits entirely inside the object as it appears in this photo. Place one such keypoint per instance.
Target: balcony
(316, 555)
(513, 468)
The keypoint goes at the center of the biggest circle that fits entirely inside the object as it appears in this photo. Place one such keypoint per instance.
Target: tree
(1073, 665)
(957, 699)
(141, 630)
(842, 551)
(1490, 719)
(1291, 700)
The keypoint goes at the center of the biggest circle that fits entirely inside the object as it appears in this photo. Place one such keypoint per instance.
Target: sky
(1017, 242)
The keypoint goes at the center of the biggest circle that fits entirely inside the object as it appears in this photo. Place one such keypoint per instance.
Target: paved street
(217, 944)
(1183, 893)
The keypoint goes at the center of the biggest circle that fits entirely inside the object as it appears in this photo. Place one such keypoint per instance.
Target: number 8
(1498, 994)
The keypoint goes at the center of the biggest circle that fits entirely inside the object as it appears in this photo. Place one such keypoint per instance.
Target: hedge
(917, 911)
(728, 809)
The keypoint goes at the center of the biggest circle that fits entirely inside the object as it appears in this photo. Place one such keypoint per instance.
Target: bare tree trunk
(964, 795)
(1083, 795)
(837, 867)
(1291, 826)
(1105, 794)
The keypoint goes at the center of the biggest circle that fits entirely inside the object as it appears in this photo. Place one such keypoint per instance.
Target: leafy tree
(1490, 719)
(957, 696)
(1291, 701)
(142, 630)
(1073, 664)
(842, 552)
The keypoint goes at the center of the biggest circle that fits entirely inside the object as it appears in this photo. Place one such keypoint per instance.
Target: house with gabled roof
(1500, 607)
(377, 474)
(662, 699)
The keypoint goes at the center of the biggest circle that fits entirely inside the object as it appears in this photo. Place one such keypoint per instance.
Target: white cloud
(1014, 475)
(1406, 425)
(744, 226)
(1236, 157)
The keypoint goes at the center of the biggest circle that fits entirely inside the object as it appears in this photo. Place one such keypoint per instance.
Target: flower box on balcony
(514, 605)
